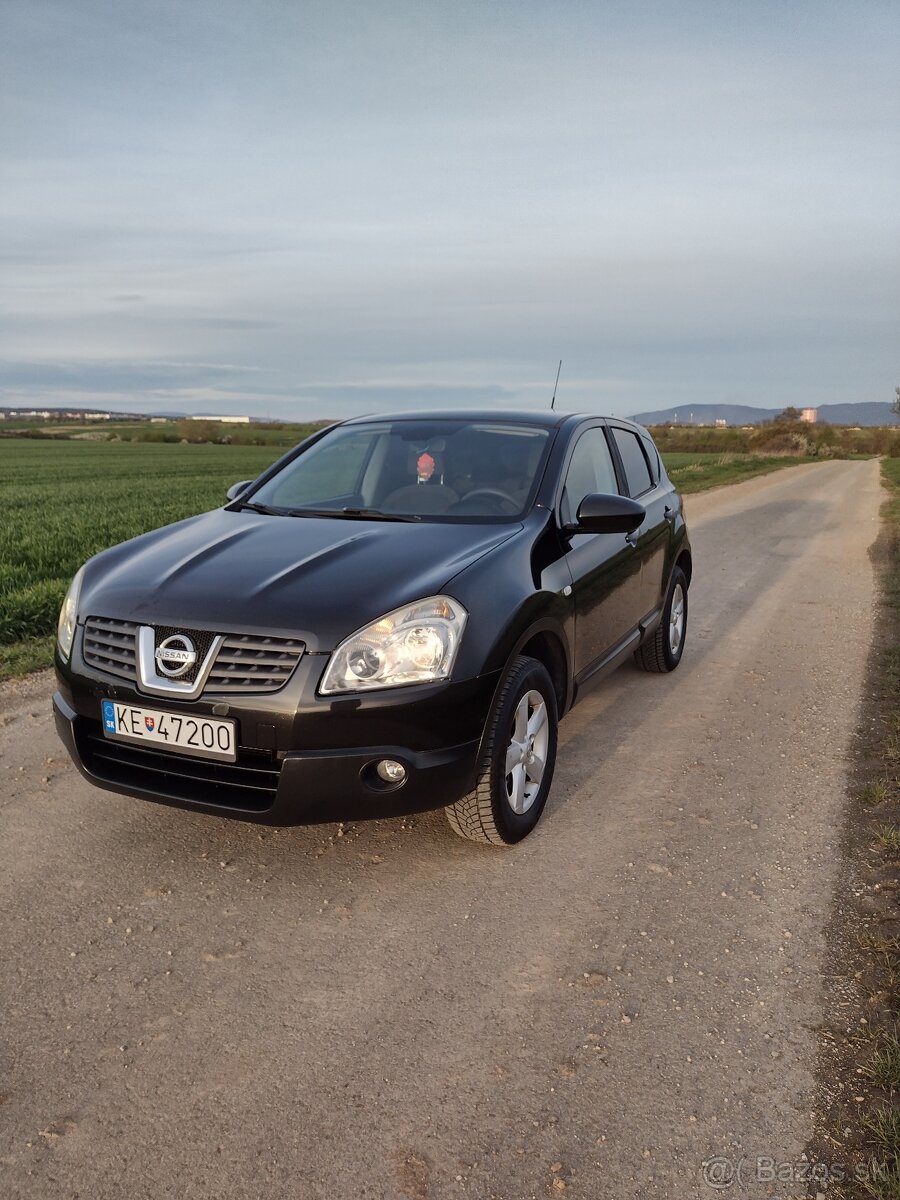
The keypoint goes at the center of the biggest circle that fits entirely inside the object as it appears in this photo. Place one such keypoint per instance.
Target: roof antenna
(553, 401)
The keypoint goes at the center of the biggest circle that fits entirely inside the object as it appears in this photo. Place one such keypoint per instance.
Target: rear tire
(516, 766)
(662, 651)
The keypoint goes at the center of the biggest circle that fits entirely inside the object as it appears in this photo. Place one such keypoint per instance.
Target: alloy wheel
(676, 619)
(526, 754)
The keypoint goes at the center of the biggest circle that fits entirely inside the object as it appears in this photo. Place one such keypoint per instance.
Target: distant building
(810, 415)
(65, 414)
(221, 420)
(721, 423)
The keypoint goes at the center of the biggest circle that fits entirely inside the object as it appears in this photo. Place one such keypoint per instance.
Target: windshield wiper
(354, 514)
(260, 508)
(375, 514)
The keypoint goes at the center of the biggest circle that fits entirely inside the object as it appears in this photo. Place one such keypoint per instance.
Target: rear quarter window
(653, 458)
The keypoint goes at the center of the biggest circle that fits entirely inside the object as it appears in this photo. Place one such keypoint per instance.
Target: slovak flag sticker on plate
(109, 716)
(150, 722)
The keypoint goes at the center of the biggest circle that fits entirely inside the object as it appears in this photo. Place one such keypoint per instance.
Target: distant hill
(878, 413)
(858, 414)
(708, 414)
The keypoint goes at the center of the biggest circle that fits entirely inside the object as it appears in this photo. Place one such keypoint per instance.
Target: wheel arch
(545, 640)
(686, 562)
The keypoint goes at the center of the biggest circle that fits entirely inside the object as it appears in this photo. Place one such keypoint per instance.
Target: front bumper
(302, 759)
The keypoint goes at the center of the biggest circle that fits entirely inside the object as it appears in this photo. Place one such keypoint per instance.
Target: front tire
(662, 651)
(516, 766)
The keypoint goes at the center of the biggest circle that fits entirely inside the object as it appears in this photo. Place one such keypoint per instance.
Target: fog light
(391, 771)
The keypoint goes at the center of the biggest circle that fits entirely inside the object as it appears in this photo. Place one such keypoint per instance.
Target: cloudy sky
(308, 209)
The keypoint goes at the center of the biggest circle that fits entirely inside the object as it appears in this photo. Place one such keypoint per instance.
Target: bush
(198, 431)
(788, 438)
(700, 439)
(783, 438)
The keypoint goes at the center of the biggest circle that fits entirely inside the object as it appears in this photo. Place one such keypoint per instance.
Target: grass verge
(859, 1064)
(698, 472)
(33, 654)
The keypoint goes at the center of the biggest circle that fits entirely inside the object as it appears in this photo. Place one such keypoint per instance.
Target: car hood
(317, 578)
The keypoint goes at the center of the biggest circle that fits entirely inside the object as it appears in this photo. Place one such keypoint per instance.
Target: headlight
(415, 644)
(65, 630)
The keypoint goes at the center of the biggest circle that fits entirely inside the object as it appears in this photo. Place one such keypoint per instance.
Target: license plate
(180, 733)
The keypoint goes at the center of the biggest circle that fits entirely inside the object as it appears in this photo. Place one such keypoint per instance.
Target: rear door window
(637, 470)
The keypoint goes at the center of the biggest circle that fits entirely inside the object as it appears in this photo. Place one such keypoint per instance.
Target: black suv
(391, 618)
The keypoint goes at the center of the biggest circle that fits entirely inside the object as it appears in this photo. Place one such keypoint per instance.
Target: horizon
(650, 416)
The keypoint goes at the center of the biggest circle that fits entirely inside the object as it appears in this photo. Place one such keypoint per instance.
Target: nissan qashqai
(392, 618)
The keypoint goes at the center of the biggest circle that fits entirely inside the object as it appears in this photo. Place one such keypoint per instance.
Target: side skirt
(587, 680)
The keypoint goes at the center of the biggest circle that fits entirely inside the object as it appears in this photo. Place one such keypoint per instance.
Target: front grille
(247, 663)
(111, 646)
(253, 663)
(201, 638)
(249, 784)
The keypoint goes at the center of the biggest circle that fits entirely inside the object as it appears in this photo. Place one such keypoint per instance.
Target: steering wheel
(494, 493)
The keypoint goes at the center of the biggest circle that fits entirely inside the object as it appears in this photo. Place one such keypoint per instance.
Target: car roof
(544, 418)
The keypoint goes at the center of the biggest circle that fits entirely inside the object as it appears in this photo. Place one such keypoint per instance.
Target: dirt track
(197, 1008)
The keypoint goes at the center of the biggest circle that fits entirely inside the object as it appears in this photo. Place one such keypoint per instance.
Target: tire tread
(653, 654)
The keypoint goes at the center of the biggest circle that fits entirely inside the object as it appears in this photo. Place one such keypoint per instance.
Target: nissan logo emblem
(176, 655)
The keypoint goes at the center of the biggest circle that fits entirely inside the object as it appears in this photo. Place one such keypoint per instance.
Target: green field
(62, 501)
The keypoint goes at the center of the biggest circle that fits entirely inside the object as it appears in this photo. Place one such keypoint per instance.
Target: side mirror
(608, 514)
(236, 488)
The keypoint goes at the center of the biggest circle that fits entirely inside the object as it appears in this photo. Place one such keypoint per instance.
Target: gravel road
(196, 1008)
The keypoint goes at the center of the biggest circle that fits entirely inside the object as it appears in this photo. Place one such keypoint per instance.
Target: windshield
(426, 470)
